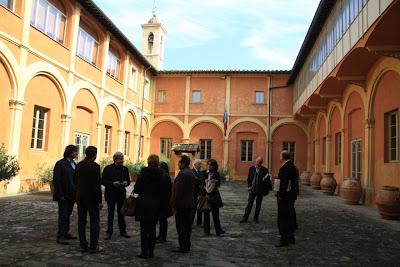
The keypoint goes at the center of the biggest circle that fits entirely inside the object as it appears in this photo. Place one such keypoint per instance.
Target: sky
(220, 34)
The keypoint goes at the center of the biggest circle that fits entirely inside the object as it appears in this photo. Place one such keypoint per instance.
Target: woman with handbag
(166, 210)
(148, 186)
(214, 199)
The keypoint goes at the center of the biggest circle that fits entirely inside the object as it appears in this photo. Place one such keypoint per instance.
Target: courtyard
(330, 233)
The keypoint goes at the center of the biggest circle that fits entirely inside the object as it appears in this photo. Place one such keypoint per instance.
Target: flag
(225, 120)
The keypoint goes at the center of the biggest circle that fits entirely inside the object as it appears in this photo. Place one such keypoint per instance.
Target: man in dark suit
(198, 175)
(115, 178)
(256, 180)
(182, 203)
(286, 195)
(87, 179)
(64, 192)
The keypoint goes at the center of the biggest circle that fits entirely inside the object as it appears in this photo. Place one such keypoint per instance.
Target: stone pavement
(330, 233)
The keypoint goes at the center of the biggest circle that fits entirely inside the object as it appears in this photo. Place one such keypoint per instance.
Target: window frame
(107, 139)
(256, 98)
(248, 153)
(388, 136)
(196, 91)
(132, 83)
(114, 66)
(290, 146)
(95, 42)
(81, 151)
(207, 152)
(356, 162)
(10, 7)
(161, 97)
(166, 146)
(35, 127)
(146, 93)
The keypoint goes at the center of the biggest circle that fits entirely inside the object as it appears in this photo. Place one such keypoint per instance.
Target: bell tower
(153, 41)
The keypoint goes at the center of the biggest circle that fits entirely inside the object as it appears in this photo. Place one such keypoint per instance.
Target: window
(147, 90)
(7, 3)
(313, 152)
(126, 142)
(49, 19)
(162, 97)
(132, 79)
(82, 142)
(324, 151)
(291, 148)
(113, 64)
(259, 97)
(205, 149)
(392, 136)
(356, 159)
(88, 44)
(338, 148)
(39, 127)
(196, 96)
(246, 150)
(107, 139)
(165, 146)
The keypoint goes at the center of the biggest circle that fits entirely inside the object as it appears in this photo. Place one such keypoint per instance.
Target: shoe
(108, 236)
(281, 244)
(244, 220)
(62, 241)
(256, 220)
(221, 233)
(180, 251)
(70, 237)
(97, 249)
(125, 235)
(142, 256)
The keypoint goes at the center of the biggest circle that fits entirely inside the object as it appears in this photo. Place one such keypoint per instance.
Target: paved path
(330, 233)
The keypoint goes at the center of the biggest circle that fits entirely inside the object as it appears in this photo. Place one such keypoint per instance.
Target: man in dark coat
(87, 179)
(115, 178)
(198, 175)
(64, 192)
(286, 194)
(182, 202)
(149, 186)
(256, 183)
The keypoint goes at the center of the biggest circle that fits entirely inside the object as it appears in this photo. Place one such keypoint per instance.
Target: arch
(170, 119)
(51, 72)
(209, 119)
(245, 119)
(12, 67)
(286, 121)
(331, 108)
(320, 116)
(110, 101)
(129, 108)
(354, 89)
(83, 85)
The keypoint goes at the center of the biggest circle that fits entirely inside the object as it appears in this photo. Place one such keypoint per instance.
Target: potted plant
(134, 169)
(9, 166)
(44, 172)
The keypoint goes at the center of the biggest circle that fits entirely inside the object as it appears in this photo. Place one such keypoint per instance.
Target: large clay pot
(316, 181)
(350, 191)
(305, 178)
(388, 201)
(328, 183)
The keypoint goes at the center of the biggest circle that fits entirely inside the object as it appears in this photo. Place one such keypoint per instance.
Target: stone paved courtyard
(330, 233)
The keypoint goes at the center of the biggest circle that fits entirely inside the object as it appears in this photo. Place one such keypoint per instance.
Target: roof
(322, 13)
(99, 15)
(224, 71)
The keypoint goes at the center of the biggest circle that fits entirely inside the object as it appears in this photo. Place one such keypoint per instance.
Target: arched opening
(335, 159)
(6, 94)
(128, 135)
(109, 137)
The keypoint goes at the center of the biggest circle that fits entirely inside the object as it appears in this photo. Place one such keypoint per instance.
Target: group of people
(194, 193)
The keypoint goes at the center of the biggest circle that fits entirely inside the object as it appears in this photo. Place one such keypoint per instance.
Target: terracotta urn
(350, 191)
(305, 178)
(388, 202)
(328, 183)
(316, 181)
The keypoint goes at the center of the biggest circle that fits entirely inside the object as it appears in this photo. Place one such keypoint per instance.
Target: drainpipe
(141, 114)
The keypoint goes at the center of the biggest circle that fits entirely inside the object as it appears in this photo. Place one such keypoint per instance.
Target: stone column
(16, 108)
(317, 155)
(369, 150)
(309, 156)
(328, 153)
(99, 126)
(66, 127)
(121, 140)
(136, 145)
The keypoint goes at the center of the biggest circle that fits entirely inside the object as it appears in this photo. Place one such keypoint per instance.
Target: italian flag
(225, 120)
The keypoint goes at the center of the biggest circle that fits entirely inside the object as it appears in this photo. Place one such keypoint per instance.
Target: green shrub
(9, 166)
(165, 159)
(104, 162)
(134, 168)
(45, 173)
(224, 174)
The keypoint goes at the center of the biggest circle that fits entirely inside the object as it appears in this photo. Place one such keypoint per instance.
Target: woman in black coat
(148, 186)
(166, 210)
(212, 183)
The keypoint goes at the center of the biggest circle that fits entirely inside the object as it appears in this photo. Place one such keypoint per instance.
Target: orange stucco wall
(335, 127)
(110, 119)
(6, 91)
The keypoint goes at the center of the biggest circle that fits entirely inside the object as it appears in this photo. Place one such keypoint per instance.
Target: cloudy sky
(220, 34)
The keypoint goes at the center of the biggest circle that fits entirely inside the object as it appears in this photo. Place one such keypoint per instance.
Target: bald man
(256, 182)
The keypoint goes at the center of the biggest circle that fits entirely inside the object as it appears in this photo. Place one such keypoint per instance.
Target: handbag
(266, 185)
(129, 206)
(203, 204)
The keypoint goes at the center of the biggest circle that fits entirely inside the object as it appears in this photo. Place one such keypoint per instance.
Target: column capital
(65, 117)
(99, 124)
(16, 104)
(369, 123)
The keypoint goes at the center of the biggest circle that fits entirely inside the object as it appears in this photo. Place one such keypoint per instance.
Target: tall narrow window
(39, 127)
(205, 149)
(392, 136)
(246, 150)
(259, 97)
(196, 96)
(291, 148)
(162, 97)
(165, 146)
(132, 79)
(107, 139)
(7, 3)
(147, 90)
(356, 158)
(82, 142)
(113, 64)
(324, 151)
(49, 19)
(127, 139)
(338, 148)
(88, 44)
